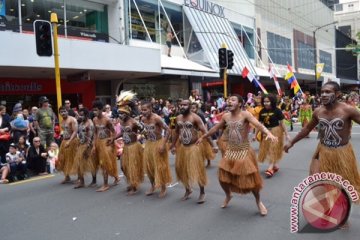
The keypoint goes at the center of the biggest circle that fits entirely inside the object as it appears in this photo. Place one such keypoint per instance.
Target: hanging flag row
(289, 77)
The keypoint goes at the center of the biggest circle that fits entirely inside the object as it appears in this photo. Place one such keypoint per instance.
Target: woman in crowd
(273, 119)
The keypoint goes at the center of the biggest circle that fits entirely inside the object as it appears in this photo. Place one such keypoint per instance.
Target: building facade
(110, 45)
(347, 14)
(294, 32)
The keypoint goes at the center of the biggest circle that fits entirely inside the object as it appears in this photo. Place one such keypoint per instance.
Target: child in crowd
(17, 163)
(52, 157)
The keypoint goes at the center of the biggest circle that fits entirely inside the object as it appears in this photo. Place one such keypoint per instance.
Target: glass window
(246, 37)
(305, 56)
(149, 12)
(325, 58)
(32, 10)
(86, 16)
(279, 49)
(338, 7)
(9, 15)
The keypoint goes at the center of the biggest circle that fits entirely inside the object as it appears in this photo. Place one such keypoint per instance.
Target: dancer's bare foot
(116, 181)
(226, 201)
(201, 199)
(162, 194)
(103, 188)
(79, 185)
(133, 191)
(346, 226)
(92, 184)
(262, 209)
(187, 194)
(151, 191)
(66, 180)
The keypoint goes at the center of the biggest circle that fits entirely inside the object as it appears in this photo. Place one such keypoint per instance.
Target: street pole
(54, 21)
(315, 52)
(225, 75)
(315, 61)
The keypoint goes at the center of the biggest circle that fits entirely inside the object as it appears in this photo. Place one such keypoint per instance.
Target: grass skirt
(84, 160)
(106, 157)
(132, 164)
(66, 157)
(157, 165)
(206, 149)
(273, 152)
(341, 161)
(221, 142)
(239, 169)
(189, 165)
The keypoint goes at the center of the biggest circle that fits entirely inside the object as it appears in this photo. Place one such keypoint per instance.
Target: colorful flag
(273, 76)
(319, 69)
(247, 74)
(290, 77)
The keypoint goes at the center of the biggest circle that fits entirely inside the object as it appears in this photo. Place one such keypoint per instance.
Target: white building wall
(347, 13)
(283, 16)
(74, 54)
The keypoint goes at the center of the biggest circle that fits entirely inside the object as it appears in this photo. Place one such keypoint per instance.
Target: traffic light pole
(225, 83)
(54, 21)
(225, 75)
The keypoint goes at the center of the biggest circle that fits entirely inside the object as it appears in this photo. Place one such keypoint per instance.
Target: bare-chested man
(132, 157)
(334, 152)
(189, 163)
(104, 146)
(156, 158)
(69, 144)
(84, 160)
(238, 169)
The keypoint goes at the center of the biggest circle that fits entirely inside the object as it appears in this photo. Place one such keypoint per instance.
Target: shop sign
(16, 87)
(206, 6)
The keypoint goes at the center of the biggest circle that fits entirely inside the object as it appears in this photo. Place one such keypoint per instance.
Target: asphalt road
(43, 209)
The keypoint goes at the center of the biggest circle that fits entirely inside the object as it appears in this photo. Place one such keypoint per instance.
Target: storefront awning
(212, 31)
(181, 66)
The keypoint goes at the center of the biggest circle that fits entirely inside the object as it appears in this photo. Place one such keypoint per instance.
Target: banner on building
(2, 7)
(319, 69)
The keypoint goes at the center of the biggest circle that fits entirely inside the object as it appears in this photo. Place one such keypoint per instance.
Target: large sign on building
(206, 6)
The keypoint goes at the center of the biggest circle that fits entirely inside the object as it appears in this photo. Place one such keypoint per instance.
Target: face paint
(328, 98)
(122, 116)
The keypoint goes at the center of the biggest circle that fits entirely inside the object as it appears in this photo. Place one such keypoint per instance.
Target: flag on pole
(273, 76)
(247, 74)
(290, 77)
(319, 69)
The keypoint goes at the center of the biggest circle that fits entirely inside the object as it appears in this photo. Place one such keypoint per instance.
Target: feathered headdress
(126, 102)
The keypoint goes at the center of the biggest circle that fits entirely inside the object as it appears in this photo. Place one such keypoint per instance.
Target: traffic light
(230, 59)
(223, 62)
(43, 38)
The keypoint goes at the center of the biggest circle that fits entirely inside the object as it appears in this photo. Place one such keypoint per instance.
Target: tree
(355, 48)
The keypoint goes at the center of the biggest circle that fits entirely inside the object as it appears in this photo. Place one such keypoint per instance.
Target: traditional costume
(238, 167)
(157, 165)
(273, 152)
(67, 154)
(85, 161)
(189, 162)
(132, 158)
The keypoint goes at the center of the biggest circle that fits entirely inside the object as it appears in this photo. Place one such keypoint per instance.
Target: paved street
(43, 209)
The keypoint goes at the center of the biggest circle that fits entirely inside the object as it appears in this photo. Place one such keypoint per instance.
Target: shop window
(9, 15)
(151, 16)
(325, 58)
(279, 49)
(41, 10)
(305, 55)
(246, 37)
(84, 19)
(86, 16)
